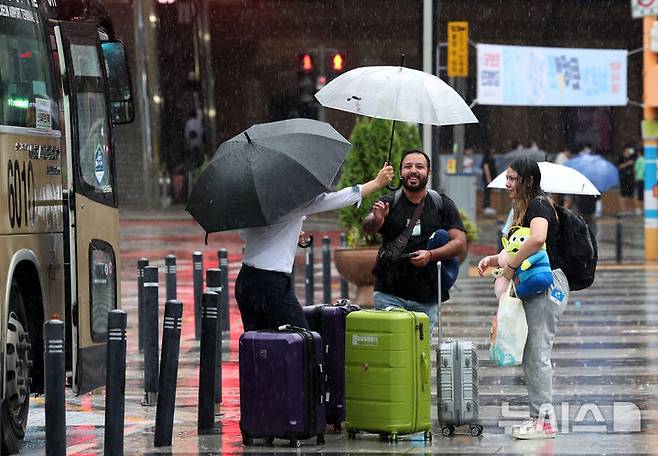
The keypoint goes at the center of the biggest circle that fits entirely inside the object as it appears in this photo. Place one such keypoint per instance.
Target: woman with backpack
(534, 209)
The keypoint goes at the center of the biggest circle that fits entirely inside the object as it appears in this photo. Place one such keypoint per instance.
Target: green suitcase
(387, 373)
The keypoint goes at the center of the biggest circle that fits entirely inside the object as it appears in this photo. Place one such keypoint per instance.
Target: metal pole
(214, 283)
(197, 279)
(459, 131)
(116, 382)
(310, 285)
(164, 416)
(55, 374)
(344, 289)
(150, 335)
(141, 264)
(170, 277)
(208, 362)
(326, 269)
(426, 53)
(619, 236)
(223, 297)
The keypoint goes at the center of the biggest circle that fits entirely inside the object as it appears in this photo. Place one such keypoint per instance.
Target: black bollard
(326, 270)
(150, 335)
(223, 297)
(214, 283)
(619, 238)
(164, 415)
(116, 382)
(141, 264)
(309, 271)
(55, 374)
(344, 290)
(197, 279)
(170, 277)
(208, 362)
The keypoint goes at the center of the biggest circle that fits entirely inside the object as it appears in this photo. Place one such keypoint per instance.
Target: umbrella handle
(306, 243)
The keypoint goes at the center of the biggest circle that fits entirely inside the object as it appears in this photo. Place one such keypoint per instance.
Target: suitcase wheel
(447, 430)
(269, 441)
(476, 430)
(351, 435)
(246, 439)
(427, 436)
(294, 443)
(320, 439)
(392, 438)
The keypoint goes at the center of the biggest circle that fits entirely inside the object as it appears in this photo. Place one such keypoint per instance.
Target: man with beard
(410, 281)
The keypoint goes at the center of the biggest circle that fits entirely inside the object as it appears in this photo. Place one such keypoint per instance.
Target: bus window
(27, 98)
(103, 287)
(95, 164)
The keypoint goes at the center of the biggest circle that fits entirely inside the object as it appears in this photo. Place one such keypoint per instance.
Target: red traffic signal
(338, 62)
(305, 63)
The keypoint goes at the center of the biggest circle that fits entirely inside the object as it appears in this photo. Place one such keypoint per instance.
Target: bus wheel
(17, 375)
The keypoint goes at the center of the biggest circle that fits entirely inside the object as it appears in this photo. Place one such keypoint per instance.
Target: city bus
(64, 84)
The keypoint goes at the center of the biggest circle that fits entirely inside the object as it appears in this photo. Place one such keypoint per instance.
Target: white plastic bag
(509, 330)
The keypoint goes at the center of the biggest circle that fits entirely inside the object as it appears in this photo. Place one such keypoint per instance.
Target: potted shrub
(370, 140)
(472, 232)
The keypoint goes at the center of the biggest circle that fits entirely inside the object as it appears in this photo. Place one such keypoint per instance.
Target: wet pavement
(605, 359)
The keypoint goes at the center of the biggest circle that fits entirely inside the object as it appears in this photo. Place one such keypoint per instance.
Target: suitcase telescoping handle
(438, 307)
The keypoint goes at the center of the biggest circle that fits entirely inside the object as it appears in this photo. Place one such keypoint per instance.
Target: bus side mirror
(118, 80)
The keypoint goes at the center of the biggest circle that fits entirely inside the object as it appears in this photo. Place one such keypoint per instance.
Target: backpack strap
(436, 198)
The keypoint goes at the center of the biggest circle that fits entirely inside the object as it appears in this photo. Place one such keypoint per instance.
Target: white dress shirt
(273, 247)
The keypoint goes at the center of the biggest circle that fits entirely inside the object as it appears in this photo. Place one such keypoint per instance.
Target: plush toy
(534, 274)
(500, 285)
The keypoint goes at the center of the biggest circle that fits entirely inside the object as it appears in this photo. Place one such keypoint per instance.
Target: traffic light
(305, 63)
(306, 75)
(337, 63)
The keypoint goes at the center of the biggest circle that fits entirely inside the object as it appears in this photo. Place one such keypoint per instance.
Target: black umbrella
(266, 172)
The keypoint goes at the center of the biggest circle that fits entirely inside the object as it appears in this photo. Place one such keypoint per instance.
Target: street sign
(640, 8)
(451, 166)
(457, 49)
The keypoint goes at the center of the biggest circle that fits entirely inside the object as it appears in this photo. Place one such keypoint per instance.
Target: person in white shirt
(263, 289)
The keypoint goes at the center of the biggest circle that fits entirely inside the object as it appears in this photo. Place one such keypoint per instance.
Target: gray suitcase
(457, 382)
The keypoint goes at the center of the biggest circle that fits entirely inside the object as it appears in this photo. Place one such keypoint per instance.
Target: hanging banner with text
(544, 76)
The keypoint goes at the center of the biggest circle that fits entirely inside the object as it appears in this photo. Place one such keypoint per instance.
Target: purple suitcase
(329, 321)
(282, 386)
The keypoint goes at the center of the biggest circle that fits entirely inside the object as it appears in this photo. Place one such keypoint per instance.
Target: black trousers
(267, 300)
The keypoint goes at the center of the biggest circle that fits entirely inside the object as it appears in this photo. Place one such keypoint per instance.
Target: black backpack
(578, 249)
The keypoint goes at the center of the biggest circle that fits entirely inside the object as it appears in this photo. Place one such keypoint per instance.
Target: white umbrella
(556, 179)
(396, 93)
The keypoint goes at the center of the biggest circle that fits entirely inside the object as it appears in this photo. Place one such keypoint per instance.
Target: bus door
(90, 194)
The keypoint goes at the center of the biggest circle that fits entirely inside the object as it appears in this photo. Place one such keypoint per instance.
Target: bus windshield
(26, 88)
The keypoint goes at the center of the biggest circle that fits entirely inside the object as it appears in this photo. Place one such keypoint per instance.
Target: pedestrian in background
(468, 164)
(532, 208)
(626, 164)
(489, 173)
(263, 289)
(639, 180)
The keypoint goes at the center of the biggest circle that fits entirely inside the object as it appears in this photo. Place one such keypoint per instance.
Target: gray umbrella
(265, 172)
